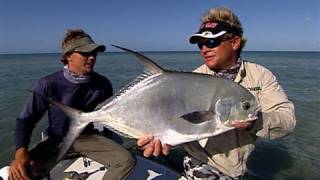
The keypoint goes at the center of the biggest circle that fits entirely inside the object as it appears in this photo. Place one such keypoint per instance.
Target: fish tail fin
(77, 122)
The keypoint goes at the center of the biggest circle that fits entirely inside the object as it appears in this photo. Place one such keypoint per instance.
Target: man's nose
(92, 56)
(205, 49)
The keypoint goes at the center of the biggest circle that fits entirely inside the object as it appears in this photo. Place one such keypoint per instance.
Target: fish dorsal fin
(198, 117)
(122, 90)
(150, 67)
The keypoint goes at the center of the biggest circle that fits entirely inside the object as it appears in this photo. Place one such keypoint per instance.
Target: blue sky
(37, 26)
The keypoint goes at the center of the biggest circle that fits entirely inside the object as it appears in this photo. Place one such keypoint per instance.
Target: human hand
(242, 124)
(152, 146)
(18, 167)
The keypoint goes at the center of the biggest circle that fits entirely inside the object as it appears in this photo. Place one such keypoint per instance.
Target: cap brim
(207, 34)
(90, 48)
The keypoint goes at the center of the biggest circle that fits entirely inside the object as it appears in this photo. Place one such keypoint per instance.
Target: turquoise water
(296, 156)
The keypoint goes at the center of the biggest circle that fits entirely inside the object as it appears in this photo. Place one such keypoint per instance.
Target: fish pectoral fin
(198, 117)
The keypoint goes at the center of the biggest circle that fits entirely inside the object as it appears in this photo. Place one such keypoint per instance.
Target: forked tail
(77, 123)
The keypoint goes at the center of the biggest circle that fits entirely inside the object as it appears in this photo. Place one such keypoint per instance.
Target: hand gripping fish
(175, 107)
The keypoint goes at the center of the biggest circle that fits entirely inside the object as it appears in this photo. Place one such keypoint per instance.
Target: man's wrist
(21, 153)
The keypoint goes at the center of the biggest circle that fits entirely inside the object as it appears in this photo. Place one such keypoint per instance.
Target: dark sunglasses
(87, 54)
(210, 43)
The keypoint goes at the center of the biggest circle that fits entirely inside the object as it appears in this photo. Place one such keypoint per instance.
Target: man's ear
(236, 42)
(68, 57)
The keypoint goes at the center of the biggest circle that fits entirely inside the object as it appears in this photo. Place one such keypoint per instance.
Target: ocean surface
(296, 156)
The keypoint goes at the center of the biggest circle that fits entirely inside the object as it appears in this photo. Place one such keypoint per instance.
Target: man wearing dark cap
(78, 86)
(220, 40)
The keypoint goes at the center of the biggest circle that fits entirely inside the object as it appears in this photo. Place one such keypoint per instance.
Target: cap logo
(207, 33)
(209, 25)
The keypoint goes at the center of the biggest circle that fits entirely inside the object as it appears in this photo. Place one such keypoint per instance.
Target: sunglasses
(87, 54)
(210, 43)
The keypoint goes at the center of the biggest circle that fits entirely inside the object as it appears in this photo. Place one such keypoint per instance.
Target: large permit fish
(175, 107)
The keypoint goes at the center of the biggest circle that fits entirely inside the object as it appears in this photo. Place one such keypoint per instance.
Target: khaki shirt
(229, 151)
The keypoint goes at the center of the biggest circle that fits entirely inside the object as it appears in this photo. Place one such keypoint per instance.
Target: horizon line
(155, 51)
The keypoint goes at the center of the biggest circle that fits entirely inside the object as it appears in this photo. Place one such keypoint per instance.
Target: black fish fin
(150, 67)
(197, 117)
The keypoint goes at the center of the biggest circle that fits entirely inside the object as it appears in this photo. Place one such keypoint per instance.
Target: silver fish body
(176, 107)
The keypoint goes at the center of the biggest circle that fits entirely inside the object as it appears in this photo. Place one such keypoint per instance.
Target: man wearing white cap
(220, 40)
(78, 86)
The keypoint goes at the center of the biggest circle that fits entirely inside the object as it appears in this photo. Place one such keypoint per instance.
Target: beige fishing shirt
(229, 151)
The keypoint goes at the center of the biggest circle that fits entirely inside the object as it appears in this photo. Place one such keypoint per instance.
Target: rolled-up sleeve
(277, 112)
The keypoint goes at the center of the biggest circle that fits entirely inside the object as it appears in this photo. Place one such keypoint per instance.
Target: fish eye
(245, 105)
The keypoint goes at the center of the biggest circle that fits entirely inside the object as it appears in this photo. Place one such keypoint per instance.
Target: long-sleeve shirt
(229, 151)
(84, 97)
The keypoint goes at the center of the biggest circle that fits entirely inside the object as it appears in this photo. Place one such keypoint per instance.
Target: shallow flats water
(293, 157)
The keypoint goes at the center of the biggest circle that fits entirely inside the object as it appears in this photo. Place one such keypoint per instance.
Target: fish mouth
(252, 117)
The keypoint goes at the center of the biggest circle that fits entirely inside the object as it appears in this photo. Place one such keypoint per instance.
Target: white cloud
(307, 20)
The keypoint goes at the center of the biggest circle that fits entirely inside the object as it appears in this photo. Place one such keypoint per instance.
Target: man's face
(223, 55)
(82, 63)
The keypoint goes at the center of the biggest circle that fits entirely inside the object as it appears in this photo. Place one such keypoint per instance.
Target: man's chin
(211, 64)
(88, 71)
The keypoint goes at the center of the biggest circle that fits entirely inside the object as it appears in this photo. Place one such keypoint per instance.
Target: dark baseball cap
(213, 29)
